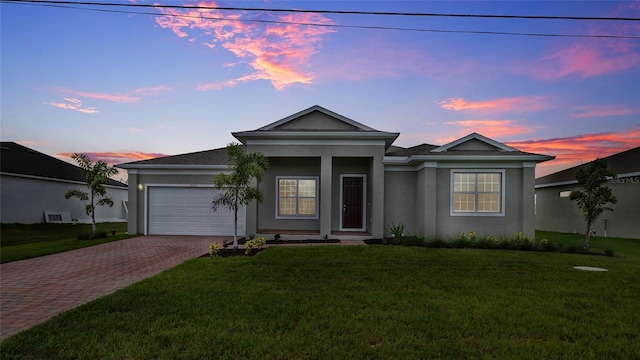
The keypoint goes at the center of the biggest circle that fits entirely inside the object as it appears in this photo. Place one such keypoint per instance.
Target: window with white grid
(477, 193)
(297, 197)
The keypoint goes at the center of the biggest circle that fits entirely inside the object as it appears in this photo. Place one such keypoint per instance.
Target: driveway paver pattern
(34, 290)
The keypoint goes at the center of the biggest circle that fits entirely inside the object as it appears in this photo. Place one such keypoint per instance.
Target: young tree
(593, 197)
(96, 175)
(238, 184)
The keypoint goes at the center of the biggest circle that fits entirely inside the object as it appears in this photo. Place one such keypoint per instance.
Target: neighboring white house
(555, 212)
(333, 177)
(32, 184)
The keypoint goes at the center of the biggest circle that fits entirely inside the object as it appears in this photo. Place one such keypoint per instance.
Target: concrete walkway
(34, 290)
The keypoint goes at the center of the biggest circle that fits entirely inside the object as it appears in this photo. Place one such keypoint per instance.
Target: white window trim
(297, 217)
(364, 202)
(503, 180)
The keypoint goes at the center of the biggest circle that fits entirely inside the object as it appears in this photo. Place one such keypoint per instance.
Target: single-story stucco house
(333, 177)
(33, 185)
(555, 212)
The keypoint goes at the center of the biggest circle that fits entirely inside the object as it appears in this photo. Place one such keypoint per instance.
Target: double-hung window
(297, 197)
(477, 192)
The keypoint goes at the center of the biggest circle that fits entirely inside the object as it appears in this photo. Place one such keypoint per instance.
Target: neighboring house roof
(622, 163)
(16, 159)
(214, 157)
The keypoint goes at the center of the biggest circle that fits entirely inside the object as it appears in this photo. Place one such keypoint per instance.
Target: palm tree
(238, 183)
(592, 197)
(96, 175)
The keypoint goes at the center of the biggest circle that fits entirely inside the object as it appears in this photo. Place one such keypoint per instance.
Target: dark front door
(352, 196)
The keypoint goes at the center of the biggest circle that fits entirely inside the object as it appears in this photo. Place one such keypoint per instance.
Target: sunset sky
(122, 84)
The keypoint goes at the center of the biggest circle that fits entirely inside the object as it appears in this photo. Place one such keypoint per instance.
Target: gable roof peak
(475, 136)
(355, 124)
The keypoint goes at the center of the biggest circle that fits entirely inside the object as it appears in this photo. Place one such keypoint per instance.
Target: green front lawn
(362, 302)
(23, 241)
(598, 244)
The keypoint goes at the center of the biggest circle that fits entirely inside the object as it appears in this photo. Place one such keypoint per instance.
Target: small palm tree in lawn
(238, 183)
(593, 197)
(96, 175)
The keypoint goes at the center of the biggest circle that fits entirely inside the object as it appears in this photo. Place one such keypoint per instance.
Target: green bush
(471, 239)
(397, 231)
(255, 243)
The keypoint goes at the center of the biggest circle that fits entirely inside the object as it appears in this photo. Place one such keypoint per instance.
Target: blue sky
(122, 86)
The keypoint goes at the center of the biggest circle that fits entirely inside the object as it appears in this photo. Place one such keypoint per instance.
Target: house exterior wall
(281, 166)
(516, 213)
(401, 200)
(426, 200)
(24, 200)
(555, 213)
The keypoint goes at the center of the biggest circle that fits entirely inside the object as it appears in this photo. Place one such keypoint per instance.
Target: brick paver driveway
(34, 290)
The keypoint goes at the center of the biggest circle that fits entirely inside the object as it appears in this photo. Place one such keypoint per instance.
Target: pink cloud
(113, 158)
(33, 143)
(575, 150)
(491, 128)
(73, 104)
(592, 111)
(131, 96)
(587, 58)
(276, 52)
(582, 60)
(520, 103)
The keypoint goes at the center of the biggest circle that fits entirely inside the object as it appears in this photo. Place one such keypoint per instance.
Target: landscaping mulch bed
(229, 252)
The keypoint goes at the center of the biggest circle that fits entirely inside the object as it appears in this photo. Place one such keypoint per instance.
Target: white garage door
(187, 211)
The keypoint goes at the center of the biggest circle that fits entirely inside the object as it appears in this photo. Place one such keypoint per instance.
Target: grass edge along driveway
(24, 241)
(358, 302)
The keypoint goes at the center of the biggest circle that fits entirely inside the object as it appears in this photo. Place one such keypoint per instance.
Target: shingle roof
(621, 163)
(426, 149)
(422, 149)
(207, 157)
(21, 160)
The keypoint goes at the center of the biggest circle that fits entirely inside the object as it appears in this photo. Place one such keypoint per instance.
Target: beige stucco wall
(401, 200)
(554, 213)
(280, 166)
(517, 215)
(420, 197)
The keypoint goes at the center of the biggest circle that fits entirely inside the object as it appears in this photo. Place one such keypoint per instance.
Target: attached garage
(176, 210)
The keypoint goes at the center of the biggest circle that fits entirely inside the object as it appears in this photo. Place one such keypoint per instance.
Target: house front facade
(333, 177)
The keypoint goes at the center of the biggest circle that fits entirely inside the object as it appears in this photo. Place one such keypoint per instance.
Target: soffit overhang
(416, 159)
(274, 136)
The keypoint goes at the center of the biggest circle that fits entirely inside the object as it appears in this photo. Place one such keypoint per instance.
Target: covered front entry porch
(320, 197)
